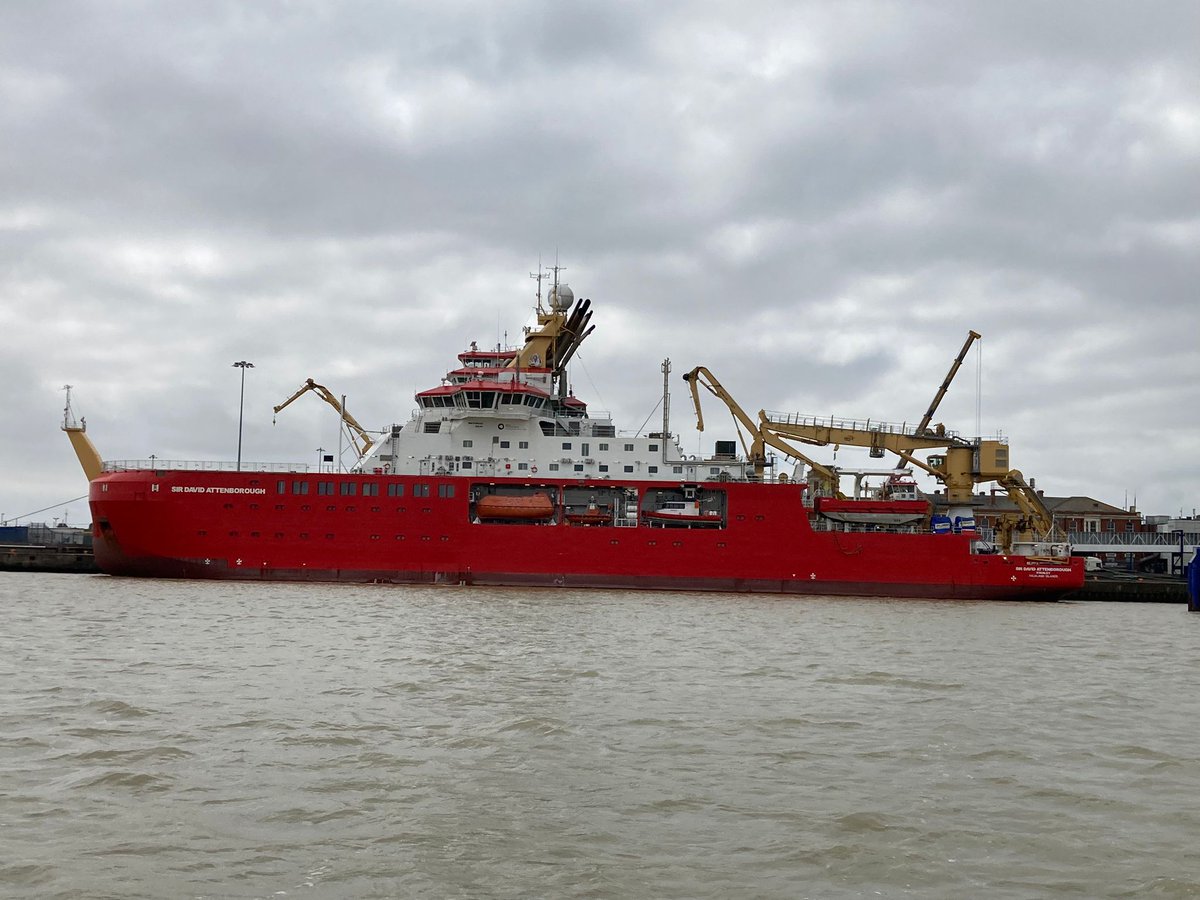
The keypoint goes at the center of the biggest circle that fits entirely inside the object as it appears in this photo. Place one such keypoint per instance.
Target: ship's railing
(1130, 539)
(867, 425)
(193, 465)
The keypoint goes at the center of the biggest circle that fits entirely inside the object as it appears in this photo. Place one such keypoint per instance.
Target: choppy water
(162, 739)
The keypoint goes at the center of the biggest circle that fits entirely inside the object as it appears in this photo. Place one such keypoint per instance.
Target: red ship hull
(417, 529)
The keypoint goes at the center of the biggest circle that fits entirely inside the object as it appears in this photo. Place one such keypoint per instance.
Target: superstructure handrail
(192, 465)
(867, 425)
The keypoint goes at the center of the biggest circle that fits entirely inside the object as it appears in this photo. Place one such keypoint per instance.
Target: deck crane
(360, 436)
(824, 480)
(963, 464)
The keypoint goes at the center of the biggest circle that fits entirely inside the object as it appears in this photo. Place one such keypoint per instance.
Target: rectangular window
(1129, 526)
(281, 487)
(578, 468)
(433, 427)
(653, 470)
(395, 490)
(566, 445)
(585, 449)
(522, 445)
(654, 448)
(603, 467)
(370, 489)
(505, 444)
(629, 448)
(324, 488)
(678, 470)
(348, 489)
(523, 466)
(465, 464)
(299, 487)
(553, 467)
(714, 471)
(468, 443)
(629, 468)
(420, 490)
(603, 447)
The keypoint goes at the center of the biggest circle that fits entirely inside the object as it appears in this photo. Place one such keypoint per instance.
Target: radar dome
(561, 298)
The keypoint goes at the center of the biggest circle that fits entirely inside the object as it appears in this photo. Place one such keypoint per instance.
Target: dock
(1132, 588)
(42, 548)
(39, 558)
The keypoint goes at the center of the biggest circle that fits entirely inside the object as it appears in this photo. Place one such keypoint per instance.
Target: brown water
(163, 739)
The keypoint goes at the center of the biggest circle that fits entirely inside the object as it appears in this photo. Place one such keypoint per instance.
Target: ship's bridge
(480, 395)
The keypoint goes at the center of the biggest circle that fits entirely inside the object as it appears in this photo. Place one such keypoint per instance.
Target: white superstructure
(496, 417)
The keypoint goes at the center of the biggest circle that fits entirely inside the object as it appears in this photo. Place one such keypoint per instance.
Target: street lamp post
(243, 365)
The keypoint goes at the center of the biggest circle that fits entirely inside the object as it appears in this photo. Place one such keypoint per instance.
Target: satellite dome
(561, 298)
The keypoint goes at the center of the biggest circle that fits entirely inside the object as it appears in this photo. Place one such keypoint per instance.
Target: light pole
(320, 454)
(243, 365)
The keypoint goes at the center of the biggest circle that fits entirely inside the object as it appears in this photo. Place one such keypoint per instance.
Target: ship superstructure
(510, 413)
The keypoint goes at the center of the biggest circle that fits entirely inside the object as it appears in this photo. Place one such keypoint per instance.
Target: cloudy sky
(817, 200)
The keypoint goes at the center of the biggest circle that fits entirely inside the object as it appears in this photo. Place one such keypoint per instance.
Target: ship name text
(188, 489)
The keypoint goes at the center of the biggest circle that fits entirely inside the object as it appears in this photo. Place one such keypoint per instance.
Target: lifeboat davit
(514, 507)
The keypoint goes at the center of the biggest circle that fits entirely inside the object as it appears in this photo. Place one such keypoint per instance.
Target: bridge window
(480, 399)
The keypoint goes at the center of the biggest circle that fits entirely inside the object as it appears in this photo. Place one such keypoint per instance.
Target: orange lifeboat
(514, 507)
(593, 515)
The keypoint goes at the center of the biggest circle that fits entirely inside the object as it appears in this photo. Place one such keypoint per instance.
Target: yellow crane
(961, 466)
(360, 436)
(85, 450)
(823, 480)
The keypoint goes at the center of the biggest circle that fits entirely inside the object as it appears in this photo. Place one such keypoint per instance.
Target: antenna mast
(538, 276)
